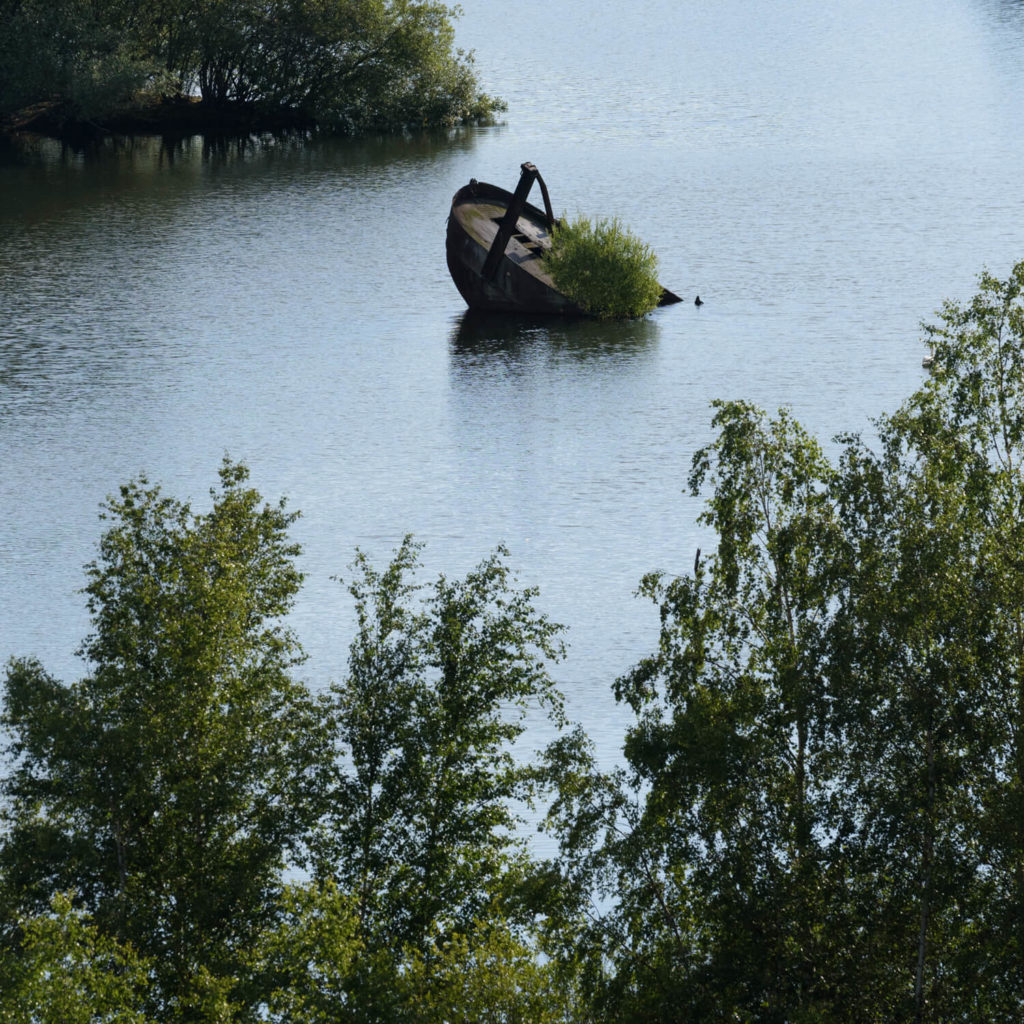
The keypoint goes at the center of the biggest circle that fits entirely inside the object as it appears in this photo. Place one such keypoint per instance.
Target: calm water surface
(823, 175)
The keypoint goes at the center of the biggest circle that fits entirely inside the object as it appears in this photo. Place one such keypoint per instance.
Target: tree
(490, 972)
(911, 698)
(89, 58)
(421, 825)
(338, 65)
(170, 786)
(724, 873)
(63, 970)
(345, 65)
(823, 818)
(308, 958)
(937, 525)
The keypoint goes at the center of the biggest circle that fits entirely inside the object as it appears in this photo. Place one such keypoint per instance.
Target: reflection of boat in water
(495, 244)
(482, 334)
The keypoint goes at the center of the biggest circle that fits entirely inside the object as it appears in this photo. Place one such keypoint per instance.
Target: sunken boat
(495, 247)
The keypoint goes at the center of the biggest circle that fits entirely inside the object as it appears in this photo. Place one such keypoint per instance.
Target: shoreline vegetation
(817, 814)
(353, 67)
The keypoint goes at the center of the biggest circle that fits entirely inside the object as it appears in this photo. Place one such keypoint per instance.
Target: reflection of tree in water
(381, 151)
(477, 334)
(126, 153)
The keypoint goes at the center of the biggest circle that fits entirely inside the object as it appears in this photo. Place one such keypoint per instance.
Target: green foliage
(724, 881)
(823, 818)
(364, 66)
(819, 818)
(486, 973)
(308, 959)
(953, 457)
(168, 786)
(174, 785)
(343, 66)
(421, 823)
(63, 970)
(89, 59)
(315, 963)
(603, 268)
(912, 695)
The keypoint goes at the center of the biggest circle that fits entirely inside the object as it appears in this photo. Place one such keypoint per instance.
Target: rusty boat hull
(495, 245)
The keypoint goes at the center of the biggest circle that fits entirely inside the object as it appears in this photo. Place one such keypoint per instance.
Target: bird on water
(697, 301)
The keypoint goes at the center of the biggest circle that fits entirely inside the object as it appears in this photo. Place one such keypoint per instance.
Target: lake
(823, 175)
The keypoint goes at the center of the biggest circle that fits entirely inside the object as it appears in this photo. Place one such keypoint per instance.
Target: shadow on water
(44, 180)
(27, 149)
(480, 336)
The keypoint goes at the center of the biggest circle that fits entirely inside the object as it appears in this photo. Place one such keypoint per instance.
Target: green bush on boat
(603, 268)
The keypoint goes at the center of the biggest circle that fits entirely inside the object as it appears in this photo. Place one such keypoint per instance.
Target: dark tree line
(820, 813)
(337, 65)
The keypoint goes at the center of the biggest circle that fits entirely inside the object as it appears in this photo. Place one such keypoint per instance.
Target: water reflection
(479, 336)
(824, 182)
(27, 149)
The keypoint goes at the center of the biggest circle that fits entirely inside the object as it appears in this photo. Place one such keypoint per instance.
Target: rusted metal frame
(508, 223)
(547, 200)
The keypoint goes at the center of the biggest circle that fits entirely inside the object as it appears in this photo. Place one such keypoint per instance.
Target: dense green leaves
(603, 268)
(421, 822)
(964, 429)
(341, 65)
(63, 970)
(818, 817)
(307, 961)
(488, 973)
(91, 58)
(823, 819)
(169, 785)
(723, 881)
(177, 785)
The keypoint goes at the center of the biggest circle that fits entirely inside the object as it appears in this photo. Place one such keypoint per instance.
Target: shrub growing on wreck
(603, 268)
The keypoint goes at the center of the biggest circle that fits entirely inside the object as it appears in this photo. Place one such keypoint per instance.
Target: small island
(178, 67)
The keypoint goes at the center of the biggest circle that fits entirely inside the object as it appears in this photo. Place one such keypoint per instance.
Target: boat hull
(519, 283)
(495, 246)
